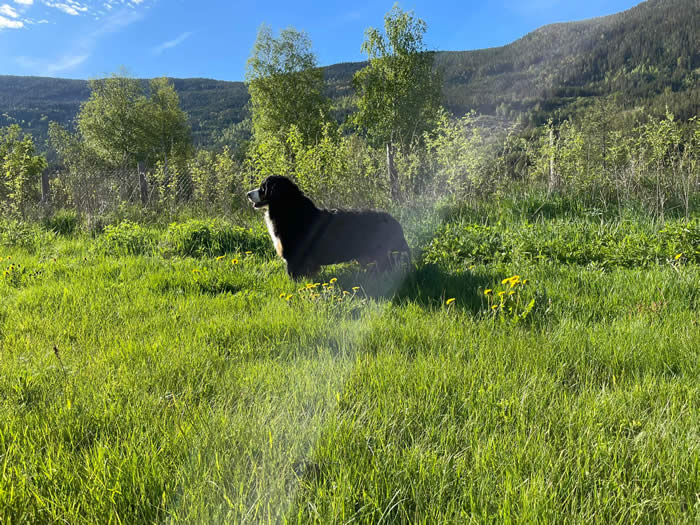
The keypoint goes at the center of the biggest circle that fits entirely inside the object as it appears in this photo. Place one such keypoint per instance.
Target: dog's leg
(298, 271)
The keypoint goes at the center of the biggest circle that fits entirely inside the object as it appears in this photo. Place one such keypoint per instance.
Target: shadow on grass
(428, 286)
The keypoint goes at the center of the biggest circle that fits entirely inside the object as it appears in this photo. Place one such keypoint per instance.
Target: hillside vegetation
(648, 55)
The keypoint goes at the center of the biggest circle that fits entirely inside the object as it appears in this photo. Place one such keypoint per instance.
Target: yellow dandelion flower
(249, 253)
(494, 307)
(288, 297)
(488, 291)
(678, 256)
(501, 294)
(334, 280)
(282, 295)
(325, 284)
(234, 261)
(511, 292)
(220, 257)
(504, 281)
(450, 301)
(355, 288)
(524, 281)
(345, 292)
(309, 286)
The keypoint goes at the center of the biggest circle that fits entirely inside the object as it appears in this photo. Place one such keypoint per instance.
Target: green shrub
(126, 238)
(21, 234)
(63, 222)
(624, 244)
(207, 238)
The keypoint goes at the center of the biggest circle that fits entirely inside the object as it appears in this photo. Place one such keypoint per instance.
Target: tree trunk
(143, 184)
(45, 187)
(391, 170)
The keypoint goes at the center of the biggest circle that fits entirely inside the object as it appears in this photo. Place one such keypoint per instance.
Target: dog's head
(274, 189)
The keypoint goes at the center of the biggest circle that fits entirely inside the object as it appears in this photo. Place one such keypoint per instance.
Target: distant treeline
(648, 56)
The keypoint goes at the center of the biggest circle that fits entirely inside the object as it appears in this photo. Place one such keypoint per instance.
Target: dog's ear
(264, 187)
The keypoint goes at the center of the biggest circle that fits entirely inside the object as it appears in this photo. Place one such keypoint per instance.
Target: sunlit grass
(161, 387)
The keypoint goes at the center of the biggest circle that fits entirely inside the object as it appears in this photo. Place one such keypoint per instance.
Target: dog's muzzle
(256, 199)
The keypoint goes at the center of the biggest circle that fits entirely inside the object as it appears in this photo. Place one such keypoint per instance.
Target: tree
(112, 123)
(167, 129)
(20, 169)
(124, 127)
(398, 92)
(286, 86)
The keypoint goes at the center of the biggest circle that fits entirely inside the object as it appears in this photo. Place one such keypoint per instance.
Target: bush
(582, 242)
(16, 233)
(207, 238)
(63, 222)
(126, 238)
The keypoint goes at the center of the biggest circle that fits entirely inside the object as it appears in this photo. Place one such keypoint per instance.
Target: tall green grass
(189, 380)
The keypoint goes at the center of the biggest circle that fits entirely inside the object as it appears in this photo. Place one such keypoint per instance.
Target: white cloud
(7, 10)
(6, 23)
(65, 63)
(70, 7)
(171, 43)
(51, 67)
(24, 2)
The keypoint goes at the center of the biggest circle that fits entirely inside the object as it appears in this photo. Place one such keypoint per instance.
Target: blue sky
(213, 38)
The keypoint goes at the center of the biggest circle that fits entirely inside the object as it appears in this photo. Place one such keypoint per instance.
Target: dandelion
(501, 294)
(234, 261)
(249, 253)
(355, 288)
(488, 291)
(678, 256)
(309, 286)
(282, 295)
(288, 297)
(494, 307)
(220, 257)
(325, 284)
(450, 301)
(345, 292)
(334, 280)
(511, 292)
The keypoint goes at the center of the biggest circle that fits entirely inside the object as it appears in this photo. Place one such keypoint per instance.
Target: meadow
(534, 364)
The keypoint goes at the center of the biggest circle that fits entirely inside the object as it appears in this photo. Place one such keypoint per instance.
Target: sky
(213, 38)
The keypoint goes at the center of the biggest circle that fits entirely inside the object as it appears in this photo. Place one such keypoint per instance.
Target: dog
(307, 237)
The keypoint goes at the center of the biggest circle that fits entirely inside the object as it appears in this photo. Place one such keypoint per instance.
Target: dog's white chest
(275, 240)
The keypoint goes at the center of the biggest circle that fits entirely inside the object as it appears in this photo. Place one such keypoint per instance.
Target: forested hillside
(648, 55)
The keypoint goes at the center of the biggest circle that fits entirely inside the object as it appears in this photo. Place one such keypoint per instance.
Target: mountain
(646, 56)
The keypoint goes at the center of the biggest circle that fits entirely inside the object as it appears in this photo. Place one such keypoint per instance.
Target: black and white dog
(307, 237)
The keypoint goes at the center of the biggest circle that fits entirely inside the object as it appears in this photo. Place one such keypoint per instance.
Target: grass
(140, 384)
